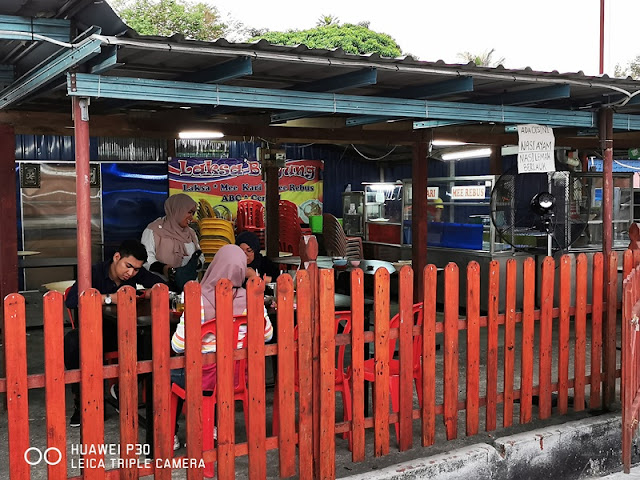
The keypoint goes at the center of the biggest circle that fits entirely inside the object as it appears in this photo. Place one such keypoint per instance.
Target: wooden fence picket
(429, 358)
(580, 322)
(509, 342)
(609, 330)
(305, 350)
(492, 346)
(595, 391)
(473, 348)
(564, 301)
(451, 313)
(546, 345)
(405, 341)
(358, 347)
(381, 369)
(327, 461)
(528, 338)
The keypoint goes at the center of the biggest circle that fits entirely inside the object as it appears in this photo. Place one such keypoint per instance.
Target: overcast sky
(545, 35)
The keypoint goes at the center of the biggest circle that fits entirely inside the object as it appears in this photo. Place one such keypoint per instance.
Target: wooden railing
(516, 374)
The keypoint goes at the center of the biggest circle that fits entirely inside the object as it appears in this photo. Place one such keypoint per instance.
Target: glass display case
(623, 210)
(353, 213)
(383, 210)
(458, 213)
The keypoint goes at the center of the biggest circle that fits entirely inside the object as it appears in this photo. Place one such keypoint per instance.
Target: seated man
(125, 268)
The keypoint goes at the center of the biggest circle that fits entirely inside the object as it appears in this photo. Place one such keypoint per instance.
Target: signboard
(469, 192)
(536, 145)
(225, 181)
(433, 193)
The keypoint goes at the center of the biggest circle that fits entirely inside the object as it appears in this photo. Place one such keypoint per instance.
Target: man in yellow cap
(434, 209)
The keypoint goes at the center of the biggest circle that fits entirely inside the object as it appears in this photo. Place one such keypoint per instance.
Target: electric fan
(540, 213)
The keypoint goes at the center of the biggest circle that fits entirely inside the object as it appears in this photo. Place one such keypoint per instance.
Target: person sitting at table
(173, 249)
(124, 268)
(230, 263)
(257, 264)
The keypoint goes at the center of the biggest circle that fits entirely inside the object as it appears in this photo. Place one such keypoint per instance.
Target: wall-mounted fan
(540, 213)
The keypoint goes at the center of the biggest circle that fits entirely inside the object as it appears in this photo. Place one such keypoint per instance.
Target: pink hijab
(169, 236)
(230, 262)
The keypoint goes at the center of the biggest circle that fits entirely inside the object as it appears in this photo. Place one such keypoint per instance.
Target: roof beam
(366, 76)
(27, 28)
(150, 90)
(48, 70)
(7, 74)
(237, 67)
(531, 95)
(433, 90)
(105, 60)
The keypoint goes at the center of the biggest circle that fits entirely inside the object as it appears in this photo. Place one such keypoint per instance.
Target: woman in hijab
(257, 264)
(229, 262)
(170, 242)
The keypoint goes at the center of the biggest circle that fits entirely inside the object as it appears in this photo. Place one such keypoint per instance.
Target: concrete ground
(578, 445)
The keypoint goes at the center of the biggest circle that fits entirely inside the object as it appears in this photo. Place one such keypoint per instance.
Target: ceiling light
(459, 155)
(200, 135)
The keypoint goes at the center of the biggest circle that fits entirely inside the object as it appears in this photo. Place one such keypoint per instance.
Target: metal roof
(120, 52)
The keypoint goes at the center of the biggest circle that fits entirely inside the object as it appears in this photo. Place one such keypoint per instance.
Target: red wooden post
(451, 316)
(627, 373)
(285, 379)
(627, 263)
(579, 364)
(492, 345)
(128, 381)
(419, 174)
(596, 330)
(429, 356)
(54, 382)
(15, 349)
(83, 191)
(546, 346)
(473, 348)
(327, 375)
(193, 374)
(609, 343)
(405, 301)
(163, 431)
(255, 361)
(305, 363)
(357, 363)
(381, 385)
(509, 342)
(563, 333)
(225, 364)
(526, 367)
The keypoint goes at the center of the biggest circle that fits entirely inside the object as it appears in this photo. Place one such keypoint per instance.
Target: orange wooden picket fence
(516, 373)
(630, 382)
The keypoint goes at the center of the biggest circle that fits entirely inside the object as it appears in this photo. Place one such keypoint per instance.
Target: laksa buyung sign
(226, 181)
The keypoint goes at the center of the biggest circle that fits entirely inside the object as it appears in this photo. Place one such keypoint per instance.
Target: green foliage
(483, 59)
(632, 69)
(197, 21)
(351, 38)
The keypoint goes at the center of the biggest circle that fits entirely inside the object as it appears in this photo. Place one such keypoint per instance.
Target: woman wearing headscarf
(172, 244)
(257, 264)
(230, 263)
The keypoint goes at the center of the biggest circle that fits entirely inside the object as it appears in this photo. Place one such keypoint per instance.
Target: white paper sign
(469, 192)
(535, 149)
(432, 192)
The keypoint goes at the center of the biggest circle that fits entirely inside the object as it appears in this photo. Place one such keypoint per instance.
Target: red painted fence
(518, 370)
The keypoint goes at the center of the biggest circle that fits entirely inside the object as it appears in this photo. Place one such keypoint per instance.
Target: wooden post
(605, 119)
(8, 229)
(419, 217)
(271, 205)
(83, 191)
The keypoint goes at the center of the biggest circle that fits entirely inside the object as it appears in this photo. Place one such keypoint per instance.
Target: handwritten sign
(469, 192)
(536, 145)
(432, 193)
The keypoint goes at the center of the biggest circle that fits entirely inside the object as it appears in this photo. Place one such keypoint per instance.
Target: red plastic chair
(341, 379)
(209, 400)
(394, 364)
(69, 310)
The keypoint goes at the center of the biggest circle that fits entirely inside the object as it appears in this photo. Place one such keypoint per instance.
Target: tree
(325, 20)
(483, 59)
(631, 70)
(197, 21)
(351, 38)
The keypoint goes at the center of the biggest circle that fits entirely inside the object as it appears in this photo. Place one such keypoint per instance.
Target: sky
(545, 35)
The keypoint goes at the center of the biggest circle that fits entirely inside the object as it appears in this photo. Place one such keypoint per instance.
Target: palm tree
(483, 59)
(326, 20)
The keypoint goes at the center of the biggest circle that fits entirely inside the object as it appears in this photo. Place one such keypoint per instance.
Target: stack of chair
(336, 242)
(290, 230)
(250, 218)
(214, 234)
